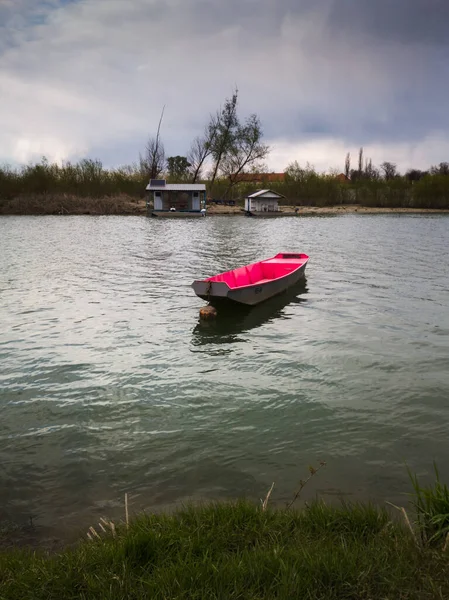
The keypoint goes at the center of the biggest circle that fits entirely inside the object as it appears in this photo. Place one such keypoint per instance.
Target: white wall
(265, 204)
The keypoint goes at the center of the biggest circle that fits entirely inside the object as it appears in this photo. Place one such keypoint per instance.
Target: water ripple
(109, 383)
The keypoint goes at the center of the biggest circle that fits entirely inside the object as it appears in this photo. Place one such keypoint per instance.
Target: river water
(109, 383)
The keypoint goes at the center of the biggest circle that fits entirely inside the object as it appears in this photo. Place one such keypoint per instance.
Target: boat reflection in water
(233, 319)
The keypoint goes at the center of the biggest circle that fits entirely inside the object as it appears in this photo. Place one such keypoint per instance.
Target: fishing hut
(174, 200)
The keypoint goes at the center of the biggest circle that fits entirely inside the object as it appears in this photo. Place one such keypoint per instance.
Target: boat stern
(206, 289)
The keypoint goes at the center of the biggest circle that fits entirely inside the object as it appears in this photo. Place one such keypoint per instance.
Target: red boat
(254, 283)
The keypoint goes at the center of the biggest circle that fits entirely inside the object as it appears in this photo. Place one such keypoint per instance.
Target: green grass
(226, 551)
(431, 505)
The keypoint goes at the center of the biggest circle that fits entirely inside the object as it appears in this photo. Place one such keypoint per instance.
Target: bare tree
(368, 168)
(216, 141)
(201, 149)
(360, 162)
(223, 125)
(415, 174)
(348, 165)
(153, 161)
(227, 146)
(441, 169)
(247, 150)
(294, 172)
(389, 169)
(197, 155)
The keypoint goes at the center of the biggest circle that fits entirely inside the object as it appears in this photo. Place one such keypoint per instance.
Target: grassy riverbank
(243, 550)
(238, 551)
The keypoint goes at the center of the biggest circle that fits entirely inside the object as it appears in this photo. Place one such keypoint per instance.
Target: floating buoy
(208, 312)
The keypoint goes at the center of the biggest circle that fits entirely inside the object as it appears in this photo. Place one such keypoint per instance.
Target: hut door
(157, 201)
(196, 201)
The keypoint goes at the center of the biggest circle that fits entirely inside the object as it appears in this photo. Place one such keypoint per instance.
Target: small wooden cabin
(184, 199)
(263, 201)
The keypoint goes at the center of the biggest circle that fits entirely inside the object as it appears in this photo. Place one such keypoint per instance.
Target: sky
(89, 78)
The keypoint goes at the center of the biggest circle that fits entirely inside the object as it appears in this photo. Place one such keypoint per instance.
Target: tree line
(229, 147)
(368, 186)
(387, 170)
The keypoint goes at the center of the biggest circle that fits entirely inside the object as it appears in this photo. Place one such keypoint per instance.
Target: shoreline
(60, 536)
(239, 550)
(335, 210)
(123, 205)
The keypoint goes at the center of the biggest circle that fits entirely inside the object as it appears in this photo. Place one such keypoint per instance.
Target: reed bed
(87, 178)
(68, 204)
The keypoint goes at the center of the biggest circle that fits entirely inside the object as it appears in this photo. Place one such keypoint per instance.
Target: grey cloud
(406, 21)
(95, 74)
(256, 18)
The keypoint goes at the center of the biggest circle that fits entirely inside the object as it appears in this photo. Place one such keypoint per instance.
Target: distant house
(263, 201)
(342, 178)
(258, 178)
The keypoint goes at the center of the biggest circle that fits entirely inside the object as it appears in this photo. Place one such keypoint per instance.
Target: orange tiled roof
(259, 177)
(342, 177)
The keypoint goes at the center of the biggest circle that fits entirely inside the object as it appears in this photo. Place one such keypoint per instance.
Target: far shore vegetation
(244, 550)
(87, 187)
(230, 157)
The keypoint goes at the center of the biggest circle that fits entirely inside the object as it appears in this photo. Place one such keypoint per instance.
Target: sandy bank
(65, 204)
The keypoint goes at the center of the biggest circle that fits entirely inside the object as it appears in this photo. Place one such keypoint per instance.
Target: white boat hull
(270, 214)
(249, 295)
(177, 214)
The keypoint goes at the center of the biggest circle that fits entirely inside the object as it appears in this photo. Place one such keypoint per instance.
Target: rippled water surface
(109, 384)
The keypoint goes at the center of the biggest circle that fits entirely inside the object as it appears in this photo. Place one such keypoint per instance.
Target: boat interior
(261, 272)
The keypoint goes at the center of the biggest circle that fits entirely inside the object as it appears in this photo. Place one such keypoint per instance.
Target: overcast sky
(88, 78)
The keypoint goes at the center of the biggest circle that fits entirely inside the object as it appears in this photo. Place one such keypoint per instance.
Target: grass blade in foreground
(431, 504)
